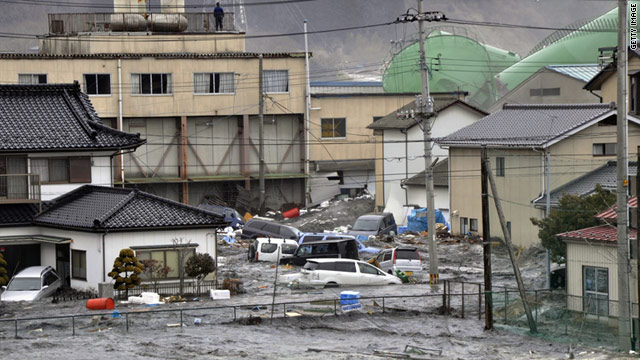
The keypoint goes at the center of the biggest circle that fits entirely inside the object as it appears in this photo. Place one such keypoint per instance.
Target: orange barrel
(100, 304)
(291, 213)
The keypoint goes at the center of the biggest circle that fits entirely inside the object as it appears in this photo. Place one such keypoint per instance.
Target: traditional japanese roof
(17, 214)
(440, 175)
(56, 117)
(605, 176)
(583, 72)
(611, 215)
(396, 121)
(530, 125)
(604, 233)
(98, 208)
(177, 55)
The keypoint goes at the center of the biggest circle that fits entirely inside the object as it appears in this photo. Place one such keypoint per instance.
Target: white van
(267, 249)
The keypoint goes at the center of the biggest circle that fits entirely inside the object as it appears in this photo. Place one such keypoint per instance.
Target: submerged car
(341, 249)
(404, 258)
(338, 272)
(374, 224)
(270, 249)
(32, 283)
(314, 237)
(231, 216)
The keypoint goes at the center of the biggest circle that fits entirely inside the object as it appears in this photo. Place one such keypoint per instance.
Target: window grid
(499, 166)
(214, 83)
(275, 81)
(32, 79)
(333, 128)
(97, 84)
(79, 264)
(151, 84)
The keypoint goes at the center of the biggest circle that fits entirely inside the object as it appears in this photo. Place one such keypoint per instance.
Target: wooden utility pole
(637, 243)
(486, 244)
(261, 135)
(507, 240)
(624, 321)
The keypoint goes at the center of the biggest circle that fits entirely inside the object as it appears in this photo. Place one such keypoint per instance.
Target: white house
(402, 153)
(54, 146)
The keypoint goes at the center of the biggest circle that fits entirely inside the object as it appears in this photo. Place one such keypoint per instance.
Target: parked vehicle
(256, 228)
(339, 272)
(314, 237)
(32, 283)
(341, 248)
(406, 259)
(231, 216)
(374, 224)
(268, 249)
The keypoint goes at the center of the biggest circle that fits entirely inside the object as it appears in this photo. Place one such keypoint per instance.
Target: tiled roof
(98, 208)
(606, 233)
(440, 175)
(55, 118)
(17, 214)
(584, 72)
(528, 125)
(610, 213)
(394, 121)
(584, 185)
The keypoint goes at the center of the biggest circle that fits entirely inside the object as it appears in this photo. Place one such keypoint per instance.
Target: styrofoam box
(220, 294)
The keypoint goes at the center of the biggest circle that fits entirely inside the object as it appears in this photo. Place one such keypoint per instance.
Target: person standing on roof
(218, 13)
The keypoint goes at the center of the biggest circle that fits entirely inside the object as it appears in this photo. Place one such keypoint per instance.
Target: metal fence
(76, 23)
(190, 288)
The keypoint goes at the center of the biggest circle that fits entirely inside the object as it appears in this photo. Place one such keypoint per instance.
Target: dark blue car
(231, 216)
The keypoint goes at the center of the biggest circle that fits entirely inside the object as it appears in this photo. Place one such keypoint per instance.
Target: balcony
(19, 188)
(191, 23)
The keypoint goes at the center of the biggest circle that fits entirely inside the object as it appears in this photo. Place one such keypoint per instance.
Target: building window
(97, 84)
(32, 78)
(275, 81)
(79, 264)
(62, 170)
(473, 225)
(464, 225)
(166, 257)
(607, 149)
(151, 84)
(596, 290)
(499, 166)
(334, 127)
(544, 92)
(376, 118)
(213, 83)
(509, 227)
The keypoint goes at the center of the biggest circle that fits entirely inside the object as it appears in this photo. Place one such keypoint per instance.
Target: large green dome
(455, 63)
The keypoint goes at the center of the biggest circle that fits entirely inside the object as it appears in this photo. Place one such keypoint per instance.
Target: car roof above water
(324, 260)
(33, 271)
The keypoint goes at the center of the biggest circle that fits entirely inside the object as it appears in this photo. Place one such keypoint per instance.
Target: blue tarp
(417, 220)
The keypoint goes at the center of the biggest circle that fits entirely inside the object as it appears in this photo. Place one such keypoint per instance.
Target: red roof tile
(606, 233)
(610, 213)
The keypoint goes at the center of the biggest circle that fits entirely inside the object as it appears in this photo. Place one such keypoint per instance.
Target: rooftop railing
(19, 188)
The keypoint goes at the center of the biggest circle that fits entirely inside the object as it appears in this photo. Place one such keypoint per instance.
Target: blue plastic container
(402, 229)
(349, 297)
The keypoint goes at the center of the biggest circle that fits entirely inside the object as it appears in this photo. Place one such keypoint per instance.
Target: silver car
(32, 283)
(406, 259)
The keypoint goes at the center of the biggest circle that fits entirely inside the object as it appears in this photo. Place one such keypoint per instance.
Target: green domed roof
(455, 63)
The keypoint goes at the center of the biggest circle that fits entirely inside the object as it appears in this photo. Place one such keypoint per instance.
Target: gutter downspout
(120, 127)
(307, 123)
(546, 181)
(596, 95)
(406, 166)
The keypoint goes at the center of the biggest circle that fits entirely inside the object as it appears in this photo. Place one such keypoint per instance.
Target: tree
(126, 271)
(4, 276)
(573, 213)
(181, 247)
(155, 270)
(199, 266)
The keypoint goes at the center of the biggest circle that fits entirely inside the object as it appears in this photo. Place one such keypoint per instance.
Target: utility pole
(637, 248)
(486, 244)
(307, 121)
(507, 239)
(424, 113)
(261, 136)
(547, 158)
(624, 321)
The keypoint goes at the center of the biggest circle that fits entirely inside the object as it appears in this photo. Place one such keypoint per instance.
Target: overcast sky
(347, 49)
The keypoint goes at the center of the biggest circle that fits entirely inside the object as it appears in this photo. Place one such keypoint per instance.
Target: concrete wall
(571, 91)
(359, 111)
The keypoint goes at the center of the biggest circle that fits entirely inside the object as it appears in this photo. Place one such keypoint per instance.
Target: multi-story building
(190, 90)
